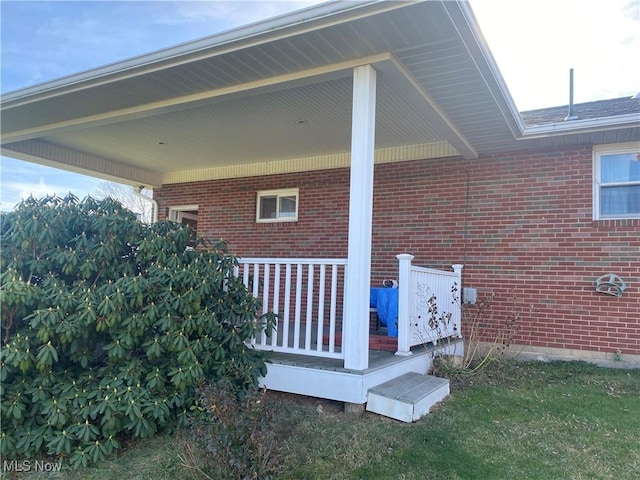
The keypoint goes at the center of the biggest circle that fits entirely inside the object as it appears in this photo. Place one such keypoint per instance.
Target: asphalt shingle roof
(584, 111)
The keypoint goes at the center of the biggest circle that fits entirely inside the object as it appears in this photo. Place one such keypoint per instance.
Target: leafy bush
(110, 325)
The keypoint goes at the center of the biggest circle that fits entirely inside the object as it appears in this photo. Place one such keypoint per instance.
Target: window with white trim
(616, 181)
(186, 214)
(277, 205)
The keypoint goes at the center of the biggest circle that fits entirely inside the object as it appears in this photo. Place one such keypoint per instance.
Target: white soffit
(279, 124)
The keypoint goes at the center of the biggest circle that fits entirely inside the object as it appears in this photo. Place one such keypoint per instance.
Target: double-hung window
(616, 181)
(277, 205)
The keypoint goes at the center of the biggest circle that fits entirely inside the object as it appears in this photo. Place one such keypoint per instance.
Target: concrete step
(407, 397)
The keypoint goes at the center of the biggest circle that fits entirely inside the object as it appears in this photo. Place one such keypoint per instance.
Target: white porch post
(404, 288)
(357, 282)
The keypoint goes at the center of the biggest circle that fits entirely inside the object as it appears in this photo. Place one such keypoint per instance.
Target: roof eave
(581, 126)
(310, 18)
(461, 14)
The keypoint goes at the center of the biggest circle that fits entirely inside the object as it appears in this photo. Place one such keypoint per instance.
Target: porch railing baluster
(308, 326)
(319, 333)
(287, 300)
(276, 303)
(296, 330)
(332, 315)
(265, 298)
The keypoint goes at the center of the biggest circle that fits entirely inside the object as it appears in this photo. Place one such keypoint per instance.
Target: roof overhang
(577, 127)
(291, 122)
(274, 97)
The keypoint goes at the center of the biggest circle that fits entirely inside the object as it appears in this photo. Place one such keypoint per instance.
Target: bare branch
(126, 196)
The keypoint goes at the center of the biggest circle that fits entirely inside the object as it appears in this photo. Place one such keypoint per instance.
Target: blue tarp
(385, 300)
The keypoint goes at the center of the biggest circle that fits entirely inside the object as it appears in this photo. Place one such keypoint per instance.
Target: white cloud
(191, 12)
(32, 189)
(632, 10)
(208, 18)
(536, 43)
(23, 179)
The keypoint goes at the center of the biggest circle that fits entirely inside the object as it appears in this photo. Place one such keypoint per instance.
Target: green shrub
(109, 326)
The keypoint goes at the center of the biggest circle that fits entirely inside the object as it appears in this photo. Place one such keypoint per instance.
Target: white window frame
(176, 214)
(598, 152)
(285, 192)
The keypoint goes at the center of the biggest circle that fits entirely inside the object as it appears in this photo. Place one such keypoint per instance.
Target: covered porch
(308, 297)
(338, 86)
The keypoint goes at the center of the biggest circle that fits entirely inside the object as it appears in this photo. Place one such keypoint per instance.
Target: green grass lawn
(512, 421)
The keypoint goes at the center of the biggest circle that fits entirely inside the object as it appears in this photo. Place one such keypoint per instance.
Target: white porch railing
(307, 295)
(429, 307)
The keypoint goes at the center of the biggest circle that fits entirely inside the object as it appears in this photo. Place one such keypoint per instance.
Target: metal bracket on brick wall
(611, 284)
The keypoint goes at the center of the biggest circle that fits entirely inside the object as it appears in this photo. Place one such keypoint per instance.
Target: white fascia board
(283, 26)
(465, 23)
(581, 126)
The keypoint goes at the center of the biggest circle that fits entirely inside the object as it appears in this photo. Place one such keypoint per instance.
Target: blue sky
(534, 43)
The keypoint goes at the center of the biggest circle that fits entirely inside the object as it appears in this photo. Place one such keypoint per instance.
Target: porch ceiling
(289, 122)
(272, 92)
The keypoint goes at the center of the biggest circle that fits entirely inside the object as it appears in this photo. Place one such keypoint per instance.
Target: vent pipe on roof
(570, 115)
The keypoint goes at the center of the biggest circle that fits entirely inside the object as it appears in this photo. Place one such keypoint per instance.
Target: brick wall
(522, 224)
(227, 209)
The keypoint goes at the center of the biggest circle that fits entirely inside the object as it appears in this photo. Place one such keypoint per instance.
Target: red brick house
(343, 135)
